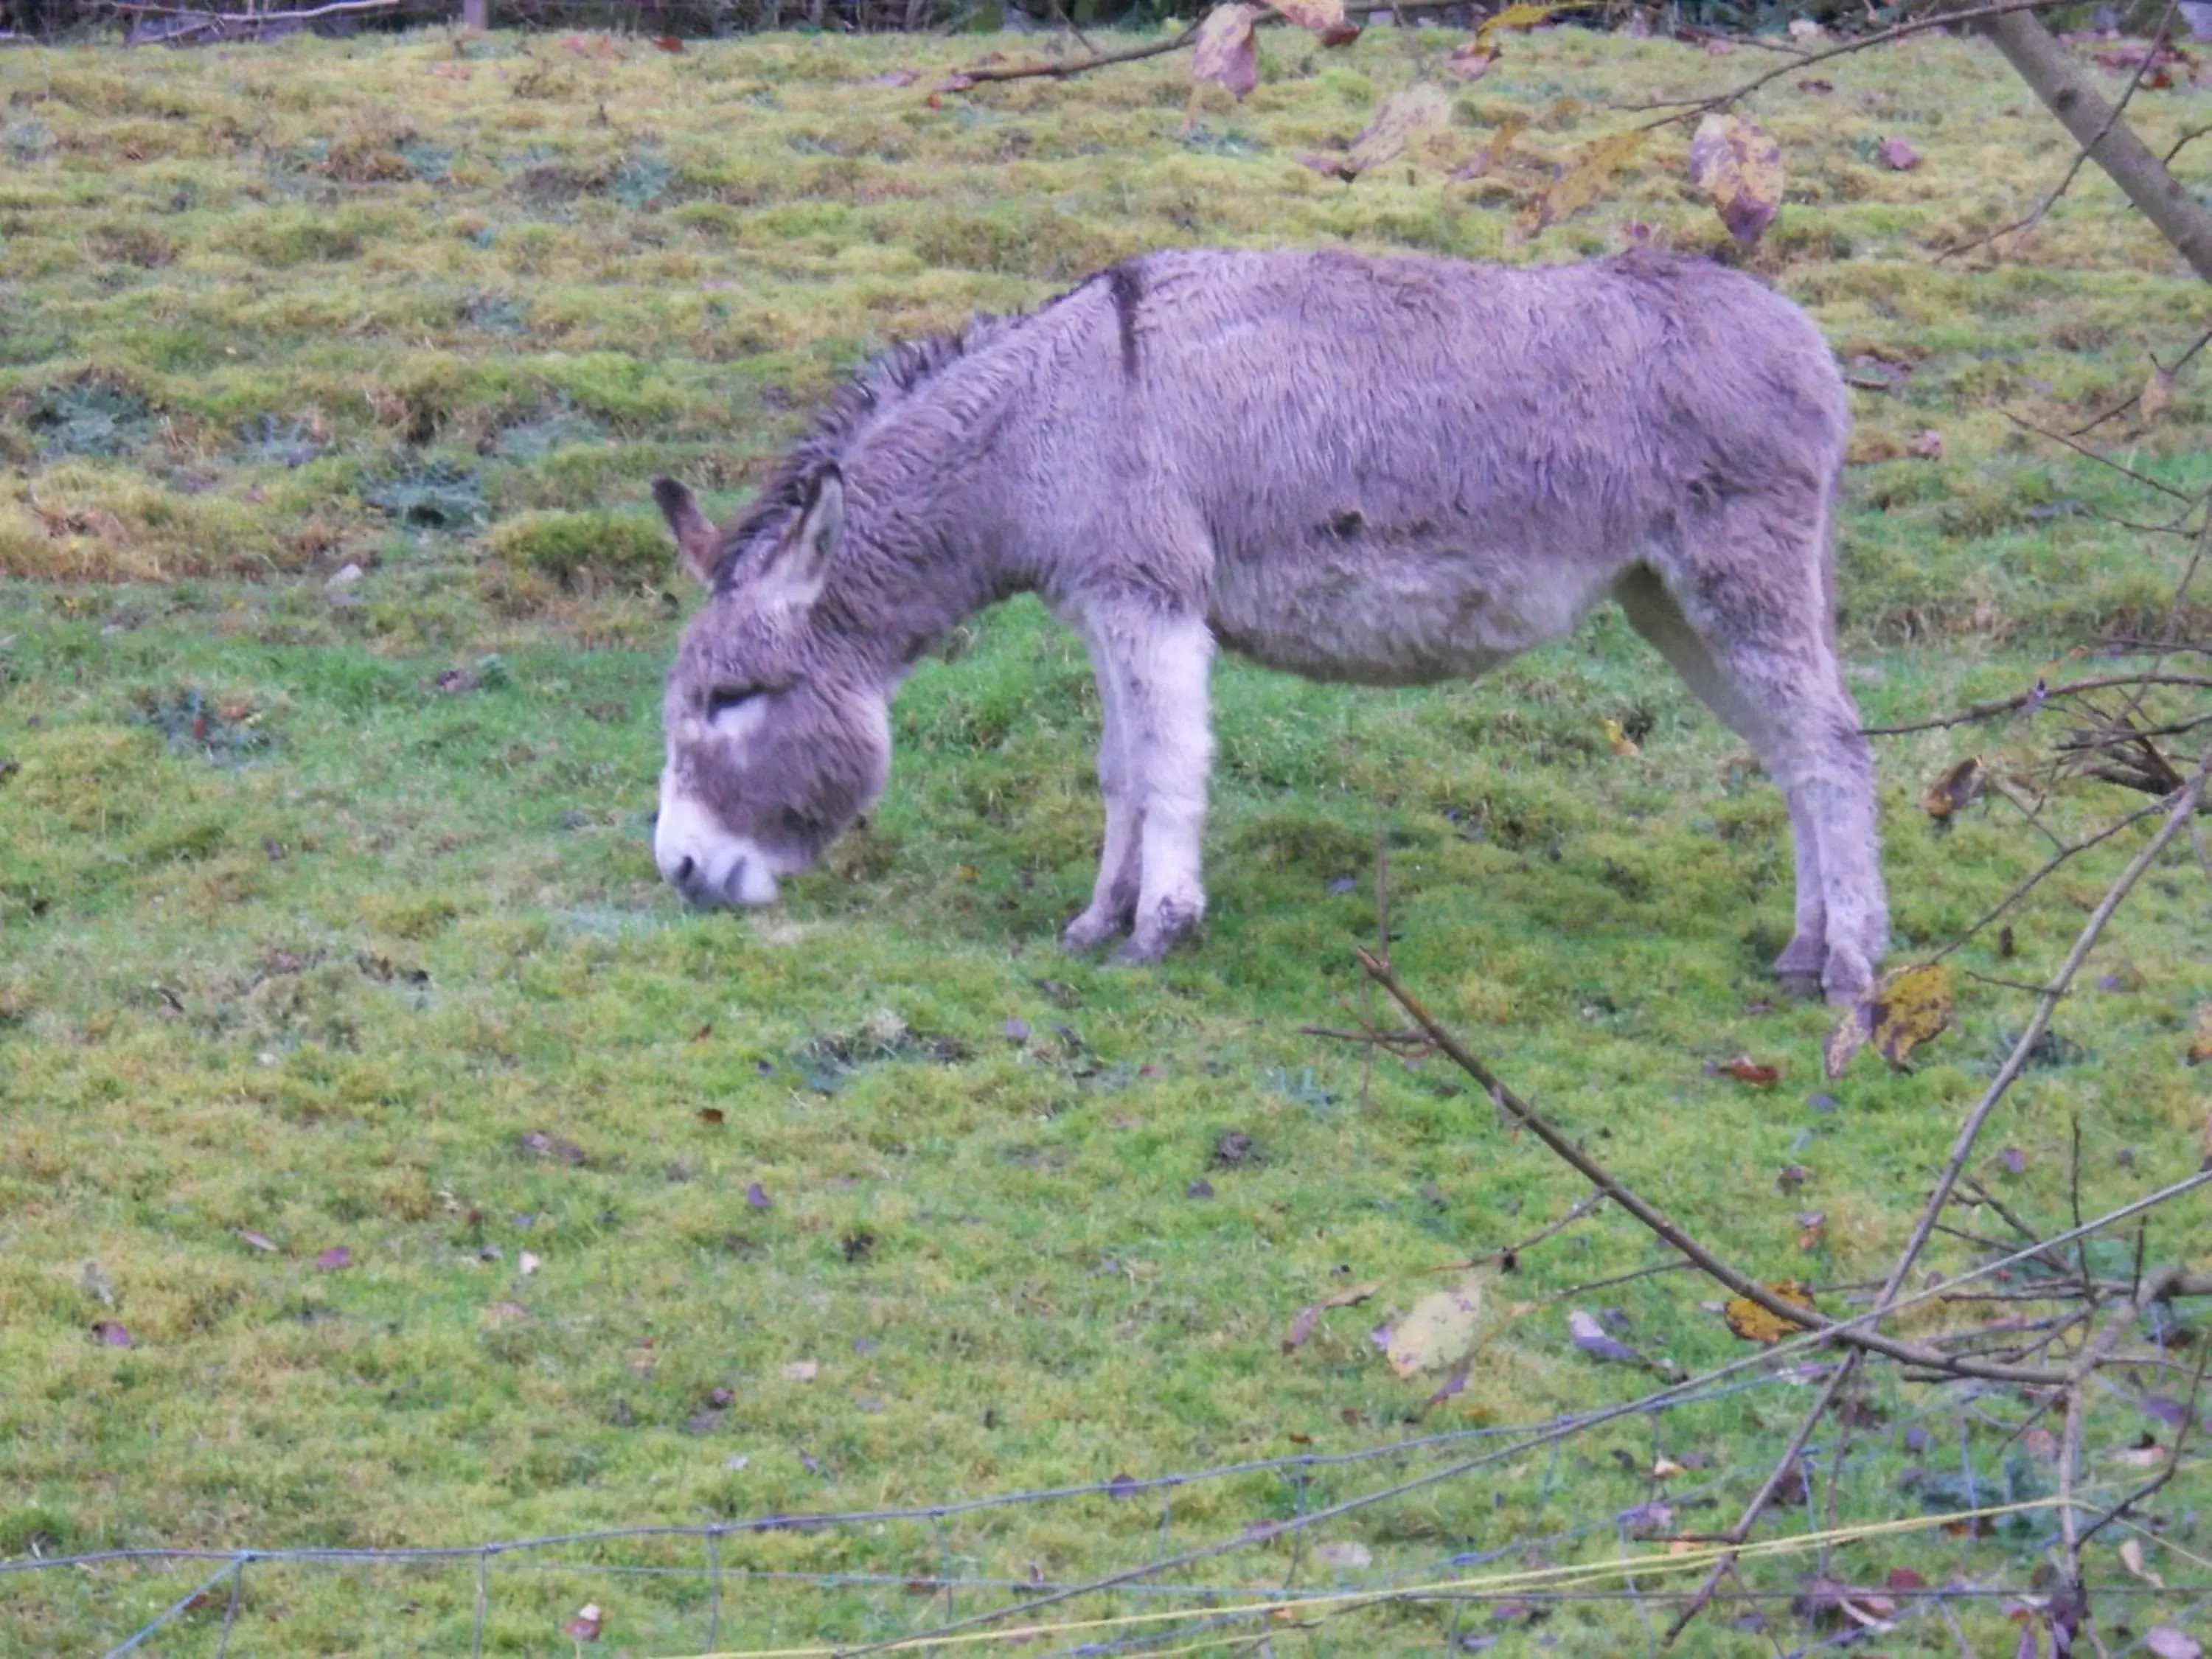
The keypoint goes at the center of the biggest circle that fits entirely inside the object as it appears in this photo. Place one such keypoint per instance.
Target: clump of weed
(91, 416)
(225, 732)
(426, 492)
(582, 551)
(828, 1062)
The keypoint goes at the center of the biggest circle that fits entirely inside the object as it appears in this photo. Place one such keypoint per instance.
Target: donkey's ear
(794, 575)
(697, 538)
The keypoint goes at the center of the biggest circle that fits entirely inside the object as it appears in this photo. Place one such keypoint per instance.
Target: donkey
(1390, 472)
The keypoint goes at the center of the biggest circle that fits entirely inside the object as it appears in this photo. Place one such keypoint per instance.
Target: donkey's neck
(925, 544)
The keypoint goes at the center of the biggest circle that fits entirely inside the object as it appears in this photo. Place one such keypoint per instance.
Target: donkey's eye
(721, 701)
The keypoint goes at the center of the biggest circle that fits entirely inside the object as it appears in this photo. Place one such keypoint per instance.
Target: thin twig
(1982, 711)
(2082, 154)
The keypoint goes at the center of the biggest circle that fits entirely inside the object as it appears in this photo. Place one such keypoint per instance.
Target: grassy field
(448, 1181)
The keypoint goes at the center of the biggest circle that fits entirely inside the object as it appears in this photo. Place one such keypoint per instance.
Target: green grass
(365, 962)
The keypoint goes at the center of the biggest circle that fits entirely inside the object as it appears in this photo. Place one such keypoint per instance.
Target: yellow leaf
(1315, 15)
(1471, 61)
(1667, 1468)
(1420, 107)
(1519, 16)
(1439, 1331)
(1224, 52)
(1582, 183)
(1903, 1011)
(1739, 169)
(2131, 1557)
(1756, 1324)
(1908, 1008)
(1623, 745)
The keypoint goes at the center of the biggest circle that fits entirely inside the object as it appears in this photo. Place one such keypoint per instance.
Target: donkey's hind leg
(1753, 639)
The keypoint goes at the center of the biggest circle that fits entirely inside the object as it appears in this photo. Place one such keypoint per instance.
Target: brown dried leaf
(2157, 394)
(1584, 181)
(1957, 789)
(1471, 61)
(2168, 1642)
(802, 1370)
(1301, 1328)
(1744, 1069)
(1812, 1228)
(2200, 1042)
(585, 1626)
(1739, 169)
(1897, 156)
(1622, 745)
(1929, 446)
(1493, 152)
(1342, 35)
(1754, 1323)
(1224, 51)
(1315, 15)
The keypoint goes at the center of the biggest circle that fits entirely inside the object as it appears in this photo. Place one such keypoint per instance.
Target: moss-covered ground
(439, 1169)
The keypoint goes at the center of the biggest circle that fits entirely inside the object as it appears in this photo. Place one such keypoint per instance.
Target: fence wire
(1411, 1563)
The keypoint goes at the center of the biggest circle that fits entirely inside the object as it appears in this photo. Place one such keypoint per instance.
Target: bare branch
(1982, 711)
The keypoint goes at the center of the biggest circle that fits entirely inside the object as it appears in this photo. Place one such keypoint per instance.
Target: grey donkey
(1391, 471)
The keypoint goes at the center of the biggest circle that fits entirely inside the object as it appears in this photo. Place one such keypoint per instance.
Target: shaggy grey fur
(1392, 471)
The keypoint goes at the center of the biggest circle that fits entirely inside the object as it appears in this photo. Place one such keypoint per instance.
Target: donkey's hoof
(1848, 976)
(1167, 926)
(1088, 931)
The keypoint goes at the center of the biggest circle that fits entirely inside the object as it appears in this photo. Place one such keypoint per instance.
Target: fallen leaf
(1471, 61)
(897, 77)
(1200, 1187)
(91, 1279)
(756, 1196)
(1667, 1468)
(1490, 155)
(1957, 789)
(2146, 1454)
(1224, 51)
(1583, 179)
(1897, 156)
(2131, 1557)
(1347, 1552)
(2156, 395)
(255, 1240)
(802, 1370)
(584, 1626)
(1904, 1578)
(1902, 1011)
(1812, 1228)
(1653, 1520)
(527, 1264)
(112, 1334)
(1438, 1331)
(1739, 169)
(711, 1116)
(1338, 35)
(1419, 108)
(1315, 15)
(1744, 1069)
(2200, 1044)
(1791, 1178)
(1754, 1323)
(1929, 446)
(2041, 1443)
(1621, 742)
(498, 1315)
(1521, 16)
(1816, 86)
(1452, 1387)
(2014, 1160)
(2167, 1642)
(334, 1259)
(1591, 1337)
(1301, 1328)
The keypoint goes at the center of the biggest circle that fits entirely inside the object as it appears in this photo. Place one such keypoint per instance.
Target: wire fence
(1405, 1548)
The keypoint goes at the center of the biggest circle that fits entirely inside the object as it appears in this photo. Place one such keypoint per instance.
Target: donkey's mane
(889, 379)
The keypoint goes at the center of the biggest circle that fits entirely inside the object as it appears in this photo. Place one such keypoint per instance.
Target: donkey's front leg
(1161, 665)
(1113, 899)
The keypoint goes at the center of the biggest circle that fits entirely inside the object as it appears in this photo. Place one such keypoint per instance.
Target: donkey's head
(779, 730)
